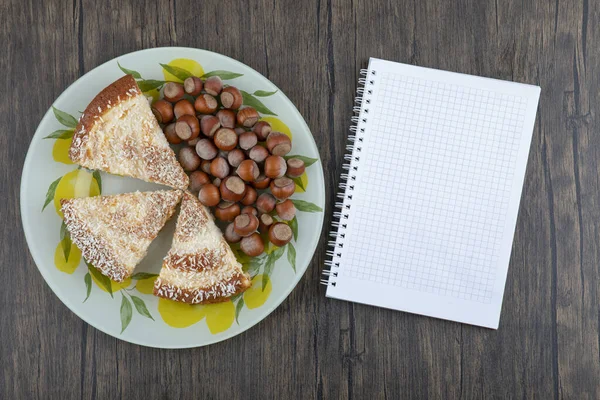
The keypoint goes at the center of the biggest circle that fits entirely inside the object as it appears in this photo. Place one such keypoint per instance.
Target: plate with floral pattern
(128, 310)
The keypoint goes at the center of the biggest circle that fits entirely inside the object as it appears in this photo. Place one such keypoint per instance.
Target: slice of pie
(118, 133)
(114, 232)
(200, 268)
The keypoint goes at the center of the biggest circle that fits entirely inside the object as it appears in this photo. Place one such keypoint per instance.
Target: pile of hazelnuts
(235, 161)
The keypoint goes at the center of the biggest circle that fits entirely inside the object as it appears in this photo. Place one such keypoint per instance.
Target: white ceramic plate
(132, 313)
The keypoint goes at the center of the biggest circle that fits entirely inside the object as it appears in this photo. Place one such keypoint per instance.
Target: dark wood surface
(548, 344)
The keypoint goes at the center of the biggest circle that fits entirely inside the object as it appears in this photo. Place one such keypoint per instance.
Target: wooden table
(548, 342)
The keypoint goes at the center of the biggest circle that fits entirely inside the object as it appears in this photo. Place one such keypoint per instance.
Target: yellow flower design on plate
(67, 266)
(193, 67)
(255, 296)
(60, 151)
(146, 286)
(115, 286)
(278, 125)
(77, 183)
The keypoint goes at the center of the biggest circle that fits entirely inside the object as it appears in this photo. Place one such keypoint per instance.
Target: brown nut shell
(227, 211)
(188, 159)
(282, 188)
(252, 245)
(219, 167)
(232, 188)
(286, 210)
(225, 139)
(235, 157)
(247, 117)
(171, 135)
(258, 154)
(295, 167)
(183, 107)
(209, 195)
(213, 85)
(193, 85)
(231, 98)
(275, 167)
(163, 111)
(209, 125)
(249, 197)
(227, 118)
(279, 144)
(265, 203)
(230, 234)
(173, 91)
(197, 180)
(245, 224)
(262, 130)
(262, 182)
(248, 170)
(280, 234)
(206, 104)
(206, 149)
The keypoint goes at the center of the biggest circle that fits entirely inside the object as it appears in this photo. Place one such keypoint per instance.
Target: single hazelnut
(197, 180)
(183, 107)
(245, 224)
(280, 234)
(279, 144)
(188, 159)
(230, 234)
(231, 97)
(258, 154)
(163, 111)
(249, 197)
(264, 223)
(286, 210)
(213, 85)
(282, 188)
(248, 170)
(187, 127)
(232, 188)
(219, 167)
(205, 166)
(262, 130)
(209, 125)
(193, 85)
(275, 167)
(227, 211)
(247, 140)
(252, 245)
(173, 91)
(227, 118)
(295, 167)
(205, 104)
(209, 195)
(250, 210)
(247, 117)
(206, 149)
(171, 135)
(265, 203)
(262, 182)
(235, 157)
(225, 139)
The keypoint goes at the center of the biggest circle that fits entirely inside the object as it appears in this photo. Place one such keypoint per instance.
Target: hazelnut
(275, 167)
(245, 224)
(247, 117)
(247, 140)
(188, 159)
(219, 167)
(209, 125)
(286, 210)
(213, 85)
(231, 97)
(197, 180)
(262, 130)
(187, 127)
(163, 111)
(217, 182)
(262, 182)
(252, 245)
(235, 157)
(282, 188)
(206, 149)
(279, 144)
(280, 234)
(295, 167)
(192, 85)
(225, 139)
(258, 154)
(250, 196)
(183, 107)
(227, 118)
(248, 170)
(171, 135)
(264, 222)
(250, 210)
(265, 203)
(209, 195)
(232, 189)
(205, 166)
(173, 92)
(205, 104)
(230, 234)
(226, 211)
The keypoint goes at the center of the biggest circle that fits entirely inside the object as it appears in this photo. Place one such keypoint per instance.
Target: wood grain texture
(548, 344)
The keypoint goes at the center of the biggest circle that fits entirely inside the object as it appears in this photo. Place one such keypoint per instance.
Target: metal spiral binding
(339, 224)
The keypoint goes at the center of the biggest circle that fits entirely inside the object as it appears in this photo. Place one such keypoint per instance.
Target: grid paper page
(437, 193)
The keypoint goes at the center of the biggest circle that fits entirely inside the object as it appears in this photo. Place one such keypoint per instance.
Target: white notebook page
(436, 192)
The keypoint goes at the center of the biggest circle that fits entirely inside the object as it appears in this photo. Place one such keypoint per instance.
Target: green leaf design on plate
(88, 285)
(181, 73)
(98, 178)
(253, 266)
(65, 240)
(263, 93)
(104, 280)
(307, 160)
(298, 181)
(306, 206)
(61, 134)
(238, 308)
(291, 255)
(50, 192)
(135, 74)
(126, 312)
(65, 119)
(252, 101)
(294, 226)
(143, 275)
(225, 75)
(140, 306)
(271, 258)
(236, 297)
(149, 84)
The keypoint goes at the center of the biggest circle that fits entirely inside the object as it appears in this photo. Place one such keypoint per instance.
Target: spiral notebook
(429, 201)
